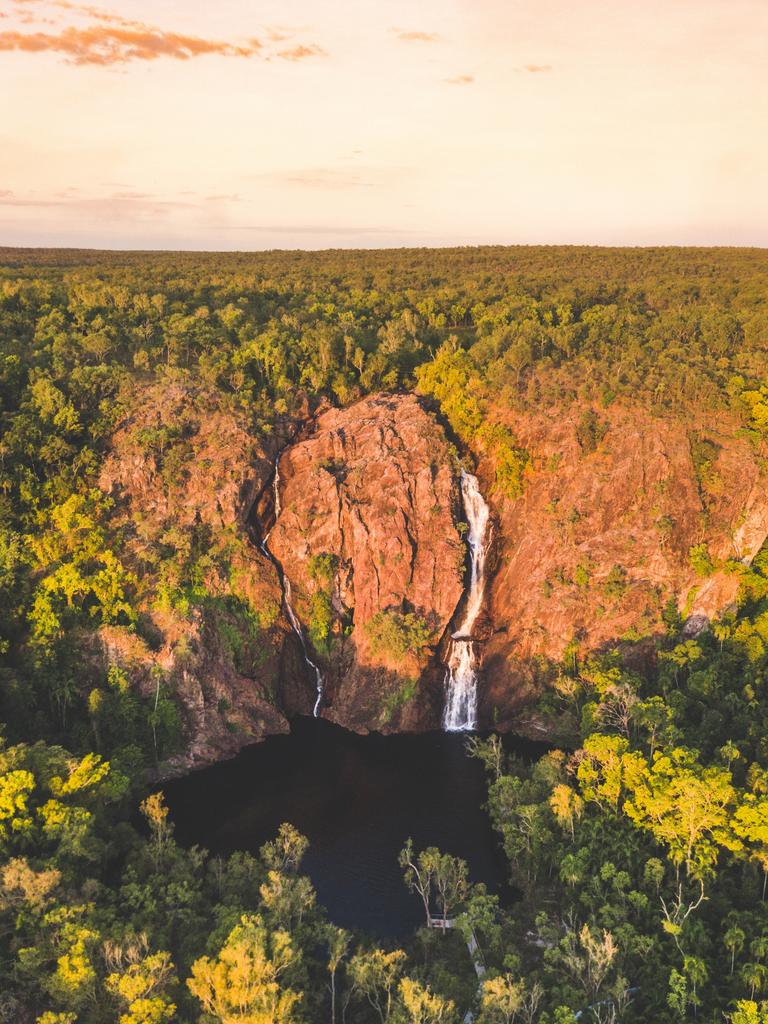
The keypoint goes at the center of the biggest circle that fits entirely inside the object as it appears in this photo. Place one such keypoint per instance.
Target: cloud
(301, 52)
(317, 229)
(282, 33)
(103, 38)
(96, 13)
(120, 205)
(461, 80)
(106, 45)
(535, 69)
(316, 177)
(418, 37)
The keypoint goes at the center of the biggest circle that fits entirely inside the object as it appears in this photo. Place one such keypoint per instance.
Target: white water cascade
(460, 713)
(287, 600)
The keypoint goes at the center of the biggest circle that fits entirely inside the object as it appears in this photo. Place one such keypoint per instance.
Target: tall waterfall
(287, 600)
(461, 676)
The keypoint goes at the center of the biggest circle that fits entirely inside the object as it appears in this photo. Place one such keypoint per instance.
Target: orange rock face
(600, 540)
(369, 519)
(180, 461)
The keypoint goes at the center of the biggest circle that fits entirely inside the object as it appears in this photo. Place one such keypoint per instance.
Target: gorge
(344, 601)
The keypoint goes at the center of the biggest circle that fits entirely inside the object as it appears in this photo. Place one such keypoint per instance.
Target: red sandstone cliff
(370, 538)
(185, 476)
(373, 496)
(600, 540)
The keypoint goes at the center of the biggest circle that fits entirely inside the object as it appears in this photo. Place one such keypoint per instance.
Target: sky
(256, 124)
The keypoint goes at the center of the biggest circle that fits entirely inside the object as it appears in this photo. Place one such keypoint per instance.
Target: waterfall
(287, 600)
(460, 712)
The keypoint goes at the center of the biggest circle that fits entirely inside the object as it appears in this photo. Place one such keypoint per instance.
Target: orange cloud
(535, 69)
(113, 39)
(281, 33)
(301, 52)
(97, 13)
(418, 37)
(461, 80)
(107, 44)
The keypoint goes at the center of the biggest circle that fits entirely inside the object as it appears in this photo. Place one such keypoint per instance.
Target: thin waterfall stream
(460, 713)
(287, 599)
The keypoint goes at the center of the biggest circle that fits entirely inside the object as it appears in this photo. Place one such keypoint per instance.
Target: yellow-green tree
(687, 807)
(567, 806)
(374, 975)
(140, 981)
(502, 999)
(419, 1005)
(243, 984)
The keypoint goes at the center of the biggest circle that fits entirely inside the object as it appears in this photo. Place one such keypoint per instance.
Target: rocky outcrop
(371, 541)
(601, 539)
(222, 709)
(369, 537)
(185, 475)
(180, 458)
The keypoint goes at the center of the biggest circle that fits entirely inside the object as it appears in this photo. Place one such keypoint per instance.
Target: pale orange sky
(306, 123)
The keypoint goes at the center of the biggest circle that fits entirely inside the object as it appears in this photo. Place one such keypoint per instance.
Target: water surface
(357, 799)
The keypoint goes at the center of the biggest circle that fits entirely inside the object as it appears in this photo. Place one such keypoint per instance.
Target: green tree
(375, 975)
(432, 874)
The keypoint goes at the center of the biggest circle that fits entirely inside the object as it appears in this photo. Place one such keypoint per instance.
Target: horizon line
(150, 250)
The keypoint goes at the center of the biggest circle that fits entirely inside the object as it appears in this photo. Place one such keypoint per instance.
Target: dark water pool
(357, 799)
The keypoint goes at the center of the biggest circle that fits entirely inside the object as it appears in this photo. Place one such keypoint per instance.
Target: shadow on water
(357, 799)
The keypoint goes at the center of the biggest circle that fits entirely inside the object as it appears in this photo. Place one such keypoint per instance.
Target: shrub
(404, 695)
(666, 527)
(590, 430)
(394, 635)
(511, 464)
(701, 560)
(322, 568)
(616, 582)
(320, 621)
(581, 575)
(704, 455)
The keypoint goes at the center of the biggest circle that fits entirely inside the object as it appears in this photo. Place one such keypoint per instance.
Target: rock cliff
(370, 539)
(601, 540)
(185, 476)
(368, 535)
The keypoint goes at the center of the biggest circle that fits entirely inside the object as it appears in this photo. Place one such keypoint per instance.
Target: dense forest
(638, 851)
